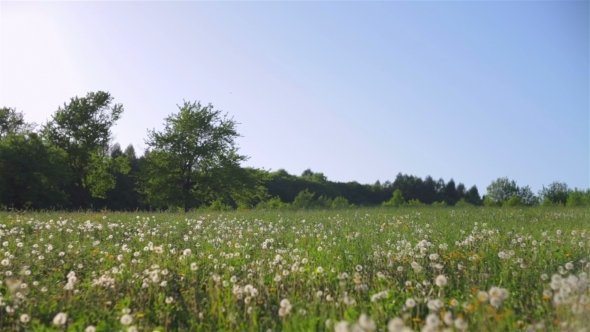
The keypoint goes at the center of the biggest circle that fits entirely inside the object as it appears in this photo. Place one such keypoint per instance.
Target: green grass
(330, 266)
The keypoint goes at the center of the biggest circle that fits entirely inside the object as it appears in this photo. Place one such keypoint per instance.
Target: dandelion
(24, 318)
(366, 323)
(126, 319)
(440, 281)
(410, 303)
(435, 305)
(169, 299)
(90, 328)
(432, 320)
(341, 326)
(461, 324)
(395, 325)
(482, 296)
(60, 319)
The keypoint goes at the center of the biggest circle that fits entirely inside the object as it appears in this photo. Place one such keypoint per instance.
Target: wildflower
(410, 303)
(496, 301)
(435, 305)
(366, 323)
(432, 320)
(169, 299)
(440, 281)
(395, 325)
(461, 324)
(341, 326)
(24, 318)
(482, 296)
(126, 319)
(90, 328)
(60, 319)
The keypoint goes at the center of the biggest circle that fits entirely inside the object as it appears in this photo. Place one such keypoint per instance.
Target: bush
(303, 200)
(513, 201)
(272, 204)
(547, 202)
(323, 202)
(463, 203)
(576, 198)
(439, 204)
(218, 205)
(340, 203)
(396, 200)
(414, 203)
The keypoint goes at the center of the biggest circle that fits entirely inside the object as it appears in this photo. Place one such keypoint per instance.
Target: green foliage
(548, 203)
(323, 202)
(463, 203)
(503, 189)
(439, 204)
(274, 203)
(556, 192)
(82, 129)
(303, 200)
(499, 191)
(194, 161)
(578, 198)
(340, 203)
(487, 201)
(414, 203)
(513, 201)
(12, 122)
(396, 200)
(32, 175)
(218, 205)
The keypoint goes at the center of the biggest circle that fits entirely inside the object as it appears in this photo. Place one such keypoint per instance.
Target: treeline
(71, 163)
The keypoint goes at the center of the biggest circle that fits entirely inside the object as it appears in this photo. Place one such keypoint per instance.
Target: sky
(361, 91)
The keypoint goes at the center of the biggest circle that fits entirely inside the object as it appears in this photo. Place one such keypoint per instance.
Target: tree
(472, 196)
(500, 190)
(194, 160)
(32, 174)
(451, 196)
(556, 192)
(12, 122)
(303, 200)
(526, 196)
(82, 129)
(396, 200)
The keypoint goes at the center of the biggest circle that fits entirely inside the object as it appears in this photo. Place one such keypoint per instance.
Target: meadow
(377, 269)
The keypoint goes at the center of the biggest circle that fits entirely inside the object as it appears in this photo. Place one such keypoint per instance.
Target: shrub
(396, 200)
(513, 201)
(463, 203)
(576, 198)
(340, 202)
(414, 203)
(272, 204)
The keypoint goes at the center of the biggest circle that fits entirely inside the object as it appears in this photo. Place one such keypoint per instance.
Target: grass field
(474, 269)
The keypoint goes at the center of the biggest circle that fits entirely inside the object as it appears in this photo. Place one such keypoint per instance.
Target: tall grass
(354, 269)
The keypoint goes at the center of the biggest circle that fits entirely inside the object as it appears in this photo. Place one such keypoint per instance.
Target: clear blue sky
(357, 90)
